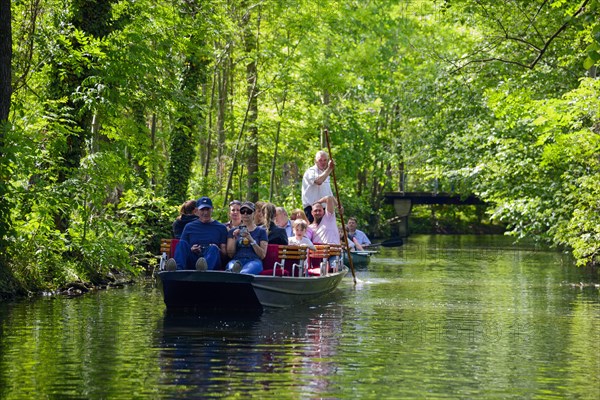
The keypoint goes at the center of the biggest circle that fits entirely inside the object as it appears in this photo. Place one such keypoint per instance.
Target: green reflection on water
(442, 317)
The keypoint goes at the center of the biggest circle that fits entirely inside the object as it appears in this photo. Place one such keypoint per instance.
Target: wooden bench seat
(319, 259)
(285, 260)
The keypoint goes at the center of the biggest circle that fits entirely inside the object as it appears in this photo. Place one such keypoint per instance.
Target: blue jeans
(186, 258)
(249, 265)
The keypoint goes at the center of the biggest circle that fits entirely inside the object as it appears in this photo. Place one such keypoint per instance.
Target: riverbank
(10, 288)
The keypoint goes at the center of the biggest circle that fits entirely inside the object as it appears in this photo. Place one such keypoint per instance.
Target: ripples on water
(449, 317)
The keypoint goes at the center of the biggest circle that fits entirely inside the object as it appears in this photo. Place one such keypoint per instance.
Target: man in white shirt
(315, 182)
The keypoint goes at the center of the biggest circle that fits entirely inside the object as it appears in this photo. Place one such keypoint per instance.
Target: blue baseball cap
(204, 202)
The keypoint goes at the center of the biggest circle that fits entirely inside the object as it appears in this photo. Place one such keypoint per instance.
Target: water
(441, 317)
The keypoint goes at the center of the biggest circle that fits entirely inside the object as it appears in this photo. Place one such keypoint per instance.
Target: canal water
(441, 317)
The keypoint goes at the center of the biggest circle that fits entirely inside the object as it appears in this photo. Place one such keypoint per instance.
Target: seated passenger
(202, 241)
(235, 219)
(299, 237)
(247, 244)
(357, 234)
(324, 225)
(259, 216)
(276, 235)
(283, 221)
(187, 214)
(353, 244)
(299, 213)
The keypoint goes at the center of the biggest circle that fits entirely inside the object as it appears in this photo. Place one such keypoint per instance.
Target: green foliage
(542, 178)
(446, 219)
(146, 219)
(148, 102)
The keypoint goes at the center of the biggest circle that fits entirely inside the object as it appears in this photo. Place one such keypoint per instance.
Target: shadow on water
(210, 355)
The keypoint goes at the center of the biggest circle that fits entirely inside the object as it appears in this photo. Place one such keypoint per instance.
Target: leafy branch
(540, 50)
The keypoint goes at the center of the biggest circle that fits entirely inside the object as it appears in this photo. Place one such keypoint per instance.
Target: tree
(112, 115)
(5, 99)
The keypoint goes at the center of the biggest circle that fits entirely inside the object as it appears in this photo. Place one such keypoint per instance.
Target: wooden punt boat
(217, 291)
(360, 258)
(285, 291)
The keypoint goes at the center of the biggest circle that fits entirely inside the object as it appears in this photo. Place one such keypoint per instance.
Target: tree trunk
(153, 144)
(65, 84)
(5, 95)
(5, 62)
(182, 149)
(251, 42)
(222, 90)
(274, 163)
(190, 121)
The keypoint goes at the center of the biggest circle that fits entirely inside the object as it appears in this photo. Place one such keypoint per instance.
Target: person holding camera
(247, 244)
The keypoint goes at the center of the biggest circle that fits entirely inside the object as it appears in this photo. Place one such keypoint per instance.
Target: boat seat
(167, 250)
(270, 258)
(295, 255)
(275, 272)
(335, 250)
(319, 259)
(167, 246)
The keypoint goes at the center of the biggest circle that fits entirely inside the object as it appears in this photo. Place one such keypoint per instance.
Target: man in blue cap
(202, 242)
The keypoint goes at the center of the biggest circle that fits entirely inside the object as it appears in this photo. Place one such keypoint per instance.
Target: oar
(369, 252)
(337, 194)
(393, 242)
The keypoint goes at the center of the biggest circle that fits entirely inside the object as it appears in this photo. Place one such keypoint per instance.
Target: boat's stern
(208, 290)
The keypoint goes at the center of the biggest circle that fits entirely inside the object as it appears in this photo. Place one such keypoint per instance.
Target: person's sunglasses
(246, 211)
(239, 203)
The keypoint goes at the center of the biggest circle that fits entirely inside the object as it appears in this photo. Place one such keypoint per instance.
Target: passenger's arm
(357, 244)
(260, 248)
(331, 204)
(321, 178)
(231, 245)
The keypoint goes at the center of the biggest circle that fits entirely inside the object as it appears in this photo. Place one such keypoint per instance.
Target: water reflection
(235, 354)
(440, 317)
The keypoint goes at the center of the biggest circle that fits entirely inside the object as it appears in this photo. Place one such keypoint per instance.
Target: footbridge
(403, 202)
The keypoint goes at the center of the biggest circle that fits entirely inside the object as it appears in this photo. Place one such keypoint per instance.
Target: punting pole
(337, 195)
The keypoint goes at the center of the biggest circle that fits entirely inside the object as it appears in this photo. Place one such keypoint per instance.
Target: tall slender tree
(251, 43)
(190, 105)
(5, 98)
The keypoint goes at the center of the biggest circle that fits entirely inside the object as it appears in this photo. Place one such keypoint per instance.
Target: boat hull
(219, 290)
(359, 258)
(208, 290)
(274, 291)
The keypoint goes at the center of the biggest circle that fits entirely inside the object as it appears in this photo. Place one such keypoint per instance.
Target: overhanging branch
(540, 50)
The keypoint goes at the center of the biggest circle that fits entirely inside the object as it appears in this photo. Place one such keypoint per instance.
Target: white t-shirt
(304, 241)
(311, 192)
